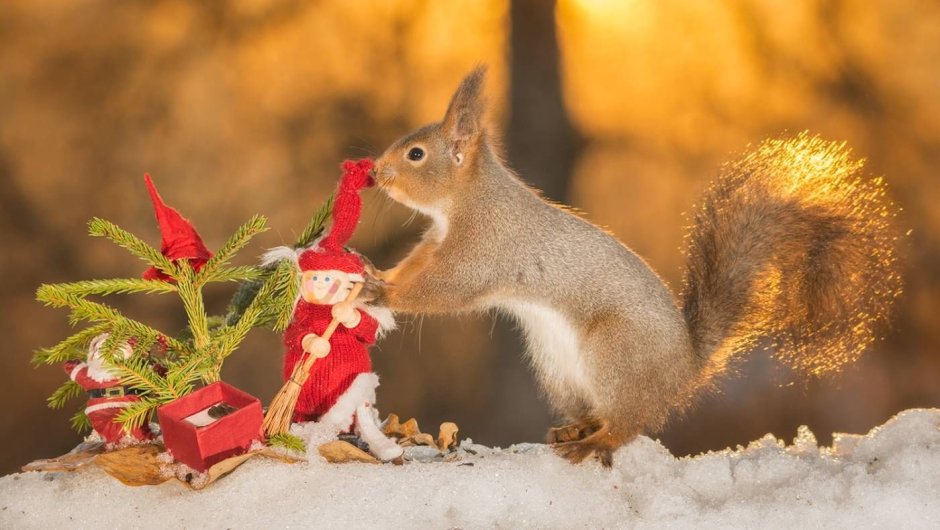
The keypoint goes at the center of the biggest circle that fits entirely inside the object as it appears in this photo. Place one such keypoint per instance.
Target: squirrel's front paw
(375, 292)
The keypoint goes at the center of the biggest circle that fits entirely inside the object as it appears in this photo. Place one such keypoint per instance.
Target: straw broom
(281, 412)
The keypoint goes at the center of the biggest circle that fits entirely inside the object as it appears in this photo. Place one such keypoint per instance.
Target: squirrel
(789, 247)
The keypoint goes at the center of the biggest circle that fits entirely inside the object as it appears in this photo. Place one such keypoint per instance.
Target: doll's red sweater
(331, 375)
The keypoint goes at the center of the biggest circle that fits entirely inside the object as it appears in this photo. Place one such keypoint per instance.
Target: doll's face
(325, 287)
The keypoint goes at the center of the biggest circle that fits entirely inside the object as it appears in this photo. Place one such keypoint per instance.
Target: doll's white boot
(381, 446)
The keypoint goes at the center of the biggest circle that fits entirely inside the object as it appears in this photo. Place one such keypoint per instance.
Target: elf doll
(340, 391)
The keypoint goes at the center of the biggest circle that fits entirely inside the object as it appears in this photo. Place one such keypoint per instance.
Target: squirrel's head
(425, 169)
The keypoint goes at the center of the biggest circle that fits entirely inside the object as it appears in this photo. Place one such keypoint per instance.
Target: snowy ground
(887, 479)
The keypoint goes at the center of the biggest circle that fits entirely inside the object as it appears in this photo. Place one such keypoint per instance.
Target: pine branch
(142, 346)
(243, 297)
(65, 393)
(83, 309)
(80, 422)
(72, 348)
(288, 441)
(241, 237)
(284, 303)
(241, 273)
(195, 307)
(247, 292)
(112, 286)
(216, 322)
(117, 340)
(137, 414)
(315, 226)
(98, 227)
(187, 361)
(229, 337)
(138, 373)
(183, 375)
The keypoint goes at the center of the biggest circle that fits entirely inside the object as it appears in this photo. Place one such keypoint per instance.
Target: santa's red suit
(106, 397)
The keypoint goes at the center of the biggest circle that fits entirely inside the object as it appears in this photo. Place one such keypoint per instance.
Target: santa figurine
(340, 390)
(107, 397)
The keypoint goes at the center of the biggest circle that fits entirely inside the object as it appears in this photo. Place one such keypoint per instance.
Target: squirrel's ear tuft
(464, 118)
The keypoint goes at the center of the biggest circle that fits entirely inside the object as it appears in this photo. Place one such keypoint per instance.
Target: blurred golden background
(624, 109)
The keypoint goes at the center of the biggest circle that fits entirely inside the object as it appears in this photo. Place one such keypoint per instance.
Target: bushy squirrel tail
(793, 249)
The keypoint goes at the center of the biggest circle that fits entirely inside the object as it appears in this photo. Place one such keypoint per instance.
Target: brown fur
(608, 342)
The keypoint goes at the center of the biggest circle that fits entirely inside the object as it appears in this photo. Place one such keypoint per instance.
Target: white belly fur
(553, 346)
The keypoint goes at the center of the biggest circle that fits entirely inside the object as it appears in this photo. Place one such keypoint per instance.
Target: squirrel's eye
(415, 154)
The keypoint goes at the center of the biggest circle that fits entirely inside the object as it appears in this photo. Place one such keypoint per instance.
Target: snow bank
(889, 478)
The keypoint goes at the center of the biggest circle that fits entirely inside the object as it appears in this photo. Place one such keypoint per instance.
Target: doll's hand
(315, 345)
(346, 314)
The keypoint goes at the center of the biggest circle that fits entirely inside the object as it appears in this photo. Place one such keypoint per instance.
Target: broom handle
(303, 367)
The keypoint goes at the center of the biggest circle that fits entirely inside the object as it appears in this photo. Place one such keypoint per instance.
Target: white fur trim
(276, 254)
(273, 255)
(78, 367)
(361, 391)
(108, 405)
(380, 445)
(99, 371)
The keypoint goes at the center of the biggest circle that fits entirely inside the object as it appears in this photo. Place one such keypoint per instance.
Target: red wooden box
(230, 435)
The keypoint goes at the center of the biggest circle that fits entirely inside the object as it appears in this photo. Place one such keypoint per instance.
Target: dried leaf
(394, 428)
(220, 469)
(423, 438)
(80, 456)
(410, 428)
(268, 452)
(340, 452)
(391, 427)
(134, 466)
(447, 439)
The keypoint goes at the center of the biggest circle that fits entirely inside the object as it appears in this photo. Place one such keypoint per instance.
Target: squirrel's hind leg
(601, 443)
(577, 430)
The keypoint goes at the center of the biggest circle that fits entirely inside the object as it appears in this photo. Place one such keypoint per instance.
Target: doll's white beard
(97, 368)
(98, 371)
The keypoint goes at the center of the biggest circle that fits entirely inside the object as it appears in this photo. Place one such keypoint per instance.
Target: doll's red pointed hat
(329, 253)
(179, 238)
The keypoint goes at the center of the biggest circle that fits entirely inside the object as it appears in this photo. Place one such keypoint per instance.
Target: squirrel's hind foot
(600, 442)
(574, 431)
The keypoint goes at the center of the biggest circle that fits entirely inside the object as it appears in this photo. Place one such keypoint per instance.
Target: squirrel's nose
(380, 173)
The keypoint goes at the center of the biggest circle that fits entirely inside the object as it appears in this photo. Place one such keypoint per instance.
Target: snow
(889, 478)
